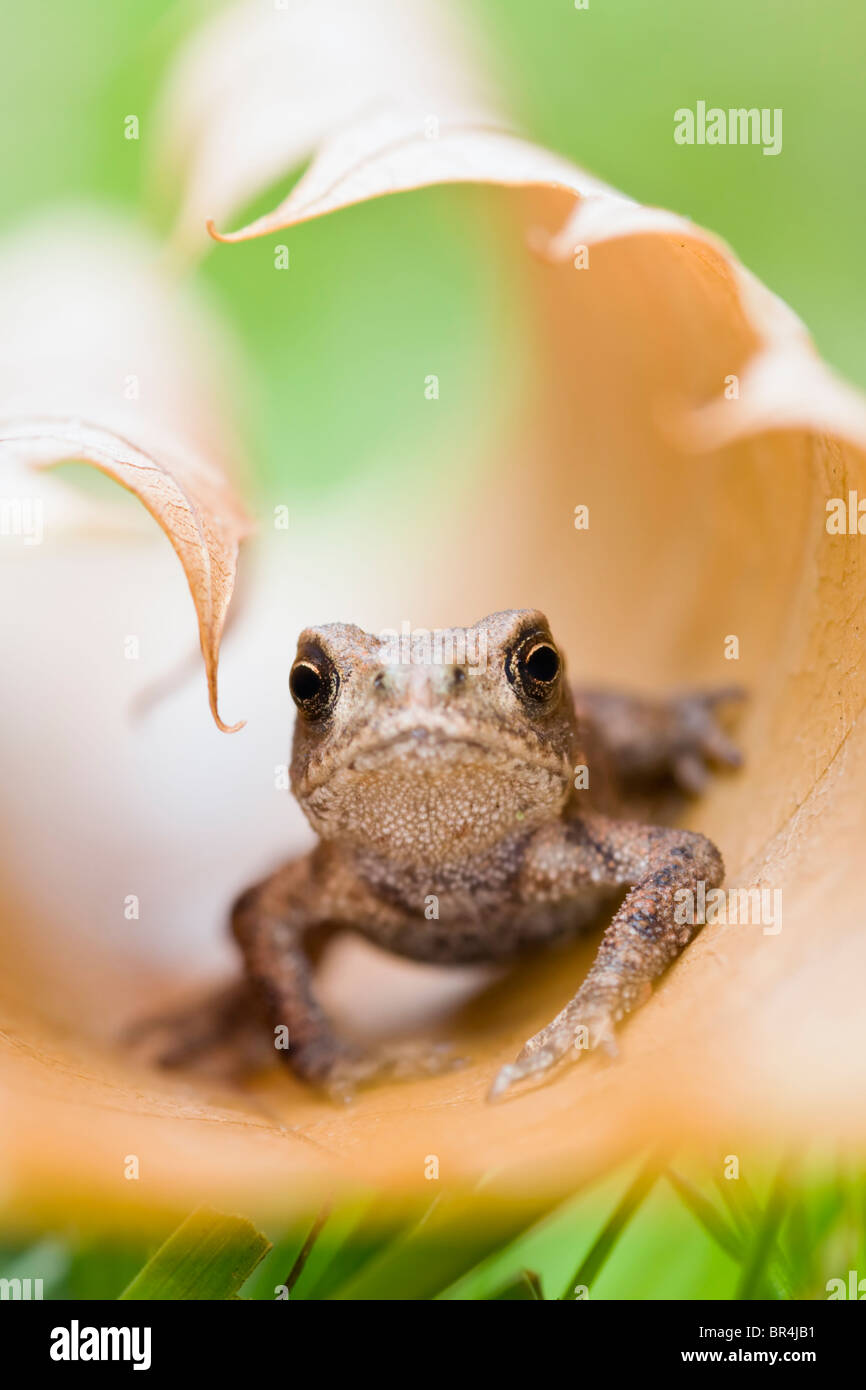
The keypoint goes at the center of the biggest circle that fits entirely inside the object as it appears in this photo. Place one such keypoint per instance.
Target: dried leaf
(100, 364)
(258, 89)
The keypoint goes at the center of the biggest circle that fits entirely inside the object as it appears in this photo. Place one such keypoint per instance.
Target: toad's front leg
(644, 937)
(277, 924)
(280, 926)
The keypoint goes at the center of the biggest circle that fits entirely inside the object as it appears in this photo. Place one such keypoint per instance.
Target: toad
(461, 797)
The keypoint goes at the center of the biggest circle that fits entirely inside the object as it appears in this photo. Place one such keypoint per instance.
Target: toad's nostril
(379, 680)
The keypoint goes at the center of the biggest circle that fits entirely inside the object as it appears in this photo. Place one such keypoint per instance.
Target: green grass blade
(735, 1241)
(366, 1238)
(524, 1287)
(209, 1256)
(307, 1248)
(757, 1267)
(593, 1262)
(454, 1235)
(732, 1196)
(706, 1213)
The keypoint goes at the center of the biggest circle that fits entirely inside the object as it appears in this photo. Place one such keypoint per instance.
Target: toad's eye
(541, 663)
(314, 683)
(534, 666)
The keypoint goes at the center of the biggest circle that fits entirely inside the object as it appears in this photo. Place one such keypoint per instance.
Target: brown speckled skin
(448, 784)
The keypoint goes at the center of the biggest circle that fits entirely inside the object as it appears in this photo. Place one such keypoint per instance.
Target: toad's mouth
(419, 745)
(421, 748)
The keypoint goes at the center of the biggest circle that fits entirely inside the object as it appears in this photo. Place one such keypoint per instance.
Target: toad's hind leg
(648, 747)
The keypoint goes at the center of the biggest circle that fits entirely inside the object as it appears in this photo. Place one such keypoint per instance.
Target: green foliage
(209, 1256)
(525, 1287)
(646, 1232)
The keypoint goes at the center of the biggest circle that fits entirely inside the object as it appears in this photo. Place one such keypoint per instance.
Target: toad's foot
(581, 1027)
(340, 1069)
(679, 739)
(696, 739)
(220, 1032)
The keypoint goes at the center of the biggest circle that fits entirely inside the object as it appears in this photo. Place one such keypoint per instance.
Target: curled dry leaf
(100, 362)
(642, 326)
(258, 90)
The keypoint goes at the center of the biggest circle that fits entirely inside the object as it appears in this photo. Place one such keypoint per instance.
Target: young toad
(450, 830)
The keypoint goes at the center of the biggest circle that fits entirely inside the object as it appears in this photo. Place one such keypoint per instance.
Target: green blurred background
(336, 349)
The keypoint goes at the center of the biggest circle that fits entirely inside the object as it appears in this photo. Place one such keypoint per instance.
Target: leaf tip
(213, 701)
(223, 237)
(221, 724)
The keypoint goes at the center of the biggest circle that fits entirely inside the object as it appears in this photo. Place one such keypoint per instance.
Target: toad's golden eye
(314, 683)
(533, 667)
